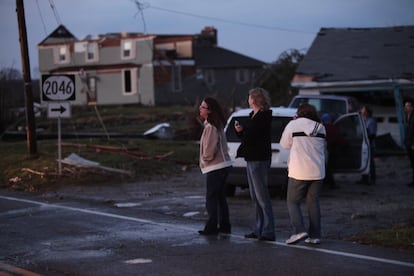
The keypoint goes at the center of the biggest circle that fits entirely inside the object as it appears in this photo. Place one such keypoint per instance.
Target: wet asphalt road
(80, 236)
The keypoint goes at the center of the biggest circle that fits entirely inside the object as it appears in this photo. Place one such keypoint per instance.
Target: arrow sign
(59, 110)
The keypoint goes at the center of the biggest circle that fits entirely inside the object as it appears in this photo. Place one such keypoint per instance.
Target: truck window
(335, 106)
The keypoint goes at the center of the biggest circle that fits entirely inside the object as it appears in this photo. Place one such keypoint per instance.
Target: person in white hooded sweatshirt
(305, 137)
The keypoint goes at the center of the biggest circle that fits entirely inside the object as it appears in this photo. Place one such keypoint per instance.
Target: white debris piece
(77, 161)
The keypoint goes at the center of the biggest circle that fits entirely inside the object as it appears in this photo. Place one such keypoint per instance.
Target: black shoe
(208, 233)
(225, 230)
(251, 236)
(262, 238)
(364, 180)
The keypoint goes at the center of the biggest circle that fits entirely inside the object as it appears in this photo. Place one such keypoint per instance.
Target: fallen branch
(42, 174)
(119, 150)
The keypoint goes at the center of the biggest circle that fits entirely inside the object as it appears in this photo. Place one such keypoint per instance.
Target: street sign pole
(58, 90)
(59, 148)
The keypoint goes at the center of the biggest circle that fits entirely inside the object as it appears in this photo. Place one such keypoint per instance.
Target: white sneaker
(297, 238)
(313, 241)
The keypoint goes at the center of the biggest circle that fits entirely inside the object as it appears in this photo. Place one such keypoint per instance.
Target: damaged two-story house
(148, 69)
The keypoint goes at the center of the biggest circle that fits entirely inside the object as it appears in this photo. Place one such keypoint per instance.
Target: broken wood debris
(122, 150)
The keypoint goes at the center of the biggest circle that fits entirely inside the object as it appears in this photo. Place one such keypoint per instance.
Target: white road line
(317, 249)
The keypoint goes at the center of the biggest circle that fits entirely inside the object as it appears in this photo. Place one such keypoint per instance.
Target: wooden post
(30, 119)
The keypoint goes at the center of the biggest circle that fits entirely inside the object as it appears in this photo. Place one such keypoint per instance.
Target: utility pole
(30, 119)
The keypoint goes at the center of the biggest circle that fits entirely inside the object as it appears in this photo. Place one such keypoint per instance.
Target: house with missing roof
(148, 69)
(373, 65)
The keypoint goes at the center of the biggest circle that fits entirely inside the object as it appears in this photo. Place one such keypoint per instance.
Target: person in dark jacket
(255, 148)
(409, 135)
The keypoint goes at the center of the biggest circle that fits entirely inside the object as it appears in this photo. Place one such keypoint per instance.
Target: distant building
(147, 69)
(374, 65)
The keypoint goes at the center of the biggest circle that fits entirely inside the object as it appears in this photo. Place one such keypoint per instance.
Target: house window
(128, 52)
(242, 76)
(129, 81)
(199, 74)
(61, 54)
(209, 77)
(176, 78)
(92, 52)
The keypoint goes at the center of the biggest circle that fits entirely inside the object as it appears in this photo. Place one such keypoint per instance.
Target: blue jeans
(257, 176)
(216, 202)
(298, 190)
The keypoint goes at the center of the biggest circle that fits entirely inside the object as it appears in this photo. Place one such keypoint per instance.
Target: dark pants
(329, 168)
(216, 202)
(410, 153)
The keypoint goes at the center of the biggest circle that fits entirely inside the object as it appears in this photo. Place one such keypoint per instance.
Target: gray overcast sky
(261, 29)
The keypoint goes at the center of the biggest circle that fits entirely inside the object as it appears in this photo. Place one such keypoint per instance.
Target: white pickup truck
(354, 156)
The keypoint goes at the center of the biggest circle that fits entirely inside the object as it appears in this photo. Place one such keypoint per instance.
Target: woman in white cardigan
(215, 163)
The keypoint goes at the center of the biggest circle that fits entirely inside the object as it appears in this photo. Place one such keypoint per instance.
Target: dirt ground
(354, 208)
(346, 211)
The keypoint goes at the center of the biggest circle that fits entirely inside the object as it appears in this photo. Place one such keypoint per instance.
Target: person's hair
(308, 111)
(410, 101)
(216, 115)
(368, 109)
(260, 97)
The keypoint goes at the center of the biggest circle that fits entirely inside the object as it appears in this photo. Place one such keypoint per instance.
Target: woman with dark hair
(305, 137)
(256, 150)
(215, 163)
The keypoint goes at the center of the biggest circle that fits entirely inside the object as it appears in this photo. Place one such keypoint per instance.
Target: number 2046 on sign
(58, 87)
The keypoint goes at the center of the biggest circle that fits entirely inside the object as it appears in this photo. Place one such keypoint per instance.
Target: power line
(41, 17)
(52, 6)
(147, 5)
(141, 7)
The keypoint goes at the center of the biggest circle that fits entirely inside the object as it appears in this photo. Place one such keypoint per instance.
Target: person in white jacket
(215, 164)
(305, 137)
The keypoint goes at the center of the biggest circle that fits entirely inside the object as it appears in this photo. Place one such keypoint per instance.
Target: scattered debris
(15, 180)
(77, 161)
(138, 261)
(361, 216)
(160, 131)
(191, 214)
(42, 174)
(130, 152)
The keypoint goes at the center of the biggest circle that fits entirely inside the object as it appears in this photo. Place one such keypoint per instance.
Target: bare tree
(278, 75)
(11, 84)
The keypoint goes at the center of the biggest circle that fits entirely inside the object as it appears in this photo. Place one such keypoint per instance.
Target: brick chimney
(208, 37)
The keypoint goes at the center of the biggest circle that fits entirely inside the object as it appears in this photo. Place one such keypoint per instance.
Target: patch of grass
(400, 236)
(142, 157)
(125, 119)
